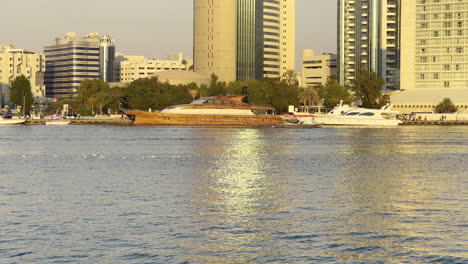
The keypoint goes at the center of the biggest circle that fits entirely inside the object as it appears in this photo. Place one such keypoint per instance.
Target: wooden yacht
(209, 111)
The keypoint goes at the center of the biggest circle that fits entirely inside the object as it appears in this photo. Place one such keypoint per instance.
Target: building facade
(215, 49)
(369, 40)
(73, 59)
(316, 69)
(434, 44)
(279, 29)
(244, 39)
(130, 68)
(16, 62)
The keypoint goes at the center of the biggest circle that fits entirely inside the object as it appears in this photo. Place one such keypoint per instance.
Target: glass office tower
(249, 39)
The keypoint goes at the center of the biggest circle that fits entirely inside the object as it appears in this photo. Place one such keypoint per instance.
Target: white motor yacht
(352, 116)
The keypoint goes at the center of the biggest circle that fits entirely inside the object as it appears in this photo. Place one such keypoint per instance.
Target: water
(84, 194)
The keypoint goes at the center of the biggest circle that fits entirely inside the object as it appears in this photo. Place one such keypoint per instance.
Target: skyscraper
(244, 39)
(73, 59)
(215, 49)
(434, 44)
(368, 39)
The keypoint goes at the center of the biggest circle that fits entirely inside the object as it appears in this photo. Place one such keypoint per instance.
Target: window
(367, 114)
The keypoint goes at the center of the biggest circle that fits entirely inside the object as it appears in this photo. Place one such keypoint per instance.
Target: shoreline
(75, 122)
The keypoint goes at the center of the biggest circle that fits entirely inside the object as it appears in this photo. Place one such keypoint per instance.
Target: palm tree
(309, 97)
(193, 93)
(290, 77)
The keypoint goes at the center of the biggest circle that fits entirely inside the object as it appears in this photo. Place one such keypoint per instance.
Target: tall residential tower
(368, 40)
(434, 44)
(244, 39)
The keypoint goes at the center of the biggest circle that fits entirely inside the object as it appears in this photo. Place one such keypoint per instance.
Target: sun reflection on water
(240, 194)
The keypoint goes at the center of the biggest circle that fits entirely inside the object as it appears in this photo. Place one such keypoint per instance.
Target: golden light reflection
(239, 193)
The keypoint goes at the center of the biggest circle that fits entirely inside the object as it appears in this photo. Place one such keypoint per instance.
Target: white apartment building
(368, 40)
(244, 39)
(130, 68)
(434, 44)
(316, 69)
(15, 62)
(279, 29)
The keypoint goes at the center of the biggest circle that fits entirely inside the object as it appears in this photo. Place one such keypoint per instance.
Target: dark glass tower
(249, 39)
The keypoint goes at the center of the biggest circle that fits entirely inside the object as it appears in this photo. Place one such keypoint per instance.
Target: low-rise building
(426, 100)
(130, 68)
(15, 62)
(316, 69)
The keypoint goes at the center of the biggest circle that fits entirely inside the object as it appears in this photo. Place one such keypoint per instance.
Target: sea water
(90, 194)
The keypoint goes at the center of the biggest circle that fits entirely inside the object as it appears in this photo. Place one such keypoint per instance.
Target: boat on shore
(11, 121)
(57, 121)
(216, 111)
(299, 125)
(344, 115)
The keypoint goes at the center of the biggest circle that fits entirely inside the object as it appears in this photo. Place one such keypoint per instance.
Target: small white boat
(300, 118)
(355, 116)
(57, 121)
(299, 125)
(11, 121)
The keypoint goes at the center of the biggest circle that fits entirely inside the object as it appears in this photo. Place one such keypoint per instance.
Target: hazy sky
(152, 28)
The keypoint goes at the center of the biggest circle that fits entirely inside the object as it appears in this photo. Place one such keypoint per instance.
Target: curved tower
(215, 38)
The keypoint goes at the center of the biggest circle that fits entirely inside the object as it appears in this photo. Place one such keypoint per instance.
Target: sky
(153, 28)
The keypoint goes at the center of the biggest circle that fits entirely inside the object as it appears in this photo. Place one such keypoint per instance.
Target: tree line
(97, 97)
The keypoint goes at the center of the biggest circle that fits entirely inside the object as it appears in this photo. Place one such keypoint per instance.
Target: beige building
(425, 100)
(130, 68)
(215, 38)
(434, 44)
(16, 62)
(244, 39)
(279, 24)
(316, 69)
(368, 39)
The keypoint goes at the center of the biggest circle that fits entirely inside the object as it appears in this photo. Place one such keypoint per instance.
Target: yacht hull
(57, 123)
(12, 122)
(142, 118)
(349, 121)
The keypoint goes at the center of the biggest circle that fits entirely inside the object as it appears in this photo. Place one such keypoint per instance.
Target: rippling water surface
(233, 195)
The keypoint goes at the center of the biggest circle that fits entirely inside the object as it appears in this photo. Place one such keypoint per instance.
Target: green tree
(21, 94)
(92, 93)
(278, 94)
(332, 93)
(367, 88)
(446, 106)
(193, 93)
(216, 87)
(235, 88)
(309, 97)
(290, 77)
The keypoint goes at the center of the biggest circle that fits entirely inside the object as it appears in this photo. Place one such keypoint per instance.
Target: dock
(436, 123)
(88, 122)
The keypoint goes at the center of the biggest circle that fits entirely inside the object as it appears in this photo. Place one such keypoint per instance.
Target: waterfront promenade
(128, 122)
(93, 121)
